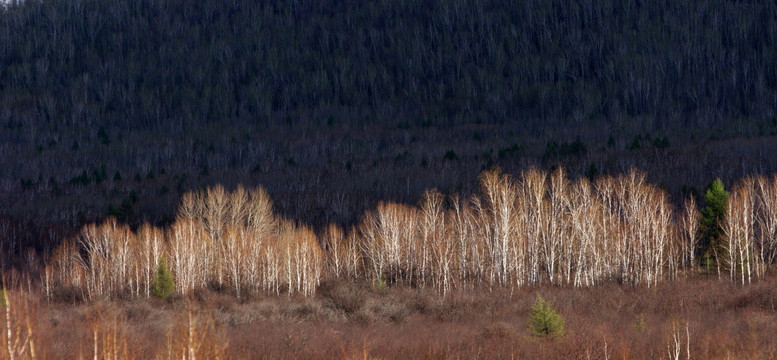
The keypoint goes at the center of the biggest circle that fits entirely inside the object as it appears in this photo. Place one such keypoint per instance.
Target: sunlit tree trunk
(150, 241)
(535, 213)
(215, 218)
(688, 229)
(558, 220)
(766, 215)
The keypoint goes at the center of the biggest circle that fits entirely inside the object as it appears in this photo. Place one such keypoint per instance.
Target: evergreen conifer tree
(710, 242)
(544, 321)
(162, 285)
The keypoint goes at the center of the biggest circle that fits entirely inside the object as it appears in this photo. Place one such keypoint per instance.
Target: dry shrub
(19, 336)
(389, 308)
(195, 337)
(422, 301)
(364, 317)
(215, 299)
(140, 311)
(67, 294)
(108, 338)
(499, 330)
(303, 310)
(268, 310)
(345, 296)
(762, 295)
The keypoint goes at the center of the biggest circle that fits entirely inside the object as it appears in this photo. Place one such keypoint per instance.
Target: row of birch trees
(749, 241)
(534, 229)
(220, 239)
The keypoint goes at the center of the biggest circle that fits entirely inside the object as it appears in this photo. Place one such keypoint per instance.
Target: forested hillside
(177, 64)
(118, 108)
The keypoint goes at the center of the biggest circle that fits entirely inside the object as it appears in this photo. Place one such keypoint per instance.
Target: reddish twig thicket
(536, 228)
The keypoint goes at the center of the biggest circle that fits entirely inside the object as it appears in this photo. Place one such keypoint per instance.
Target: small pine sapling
(544, 321)
(162, 285)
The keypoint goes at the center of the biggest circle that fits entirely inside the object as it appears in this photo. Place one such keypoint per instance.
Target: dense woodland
(133, 103)
(87, 63)
(393, 150)
(538, 229)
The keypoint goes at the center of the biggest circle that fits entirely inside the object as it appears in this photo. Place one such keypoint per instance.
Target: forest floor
(700, 318)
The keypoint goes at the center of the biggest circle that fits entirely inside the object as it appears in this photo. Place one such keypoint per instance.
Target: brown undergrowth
(701, 317)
